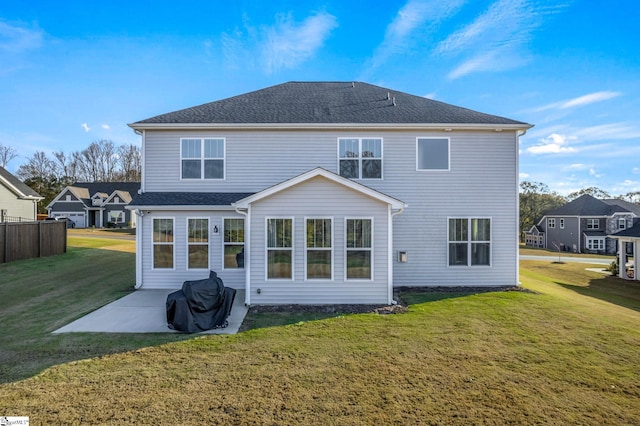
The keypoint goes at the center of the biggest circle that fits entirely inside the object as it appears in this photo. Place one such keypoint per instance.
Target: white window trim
(118, 211)
(244, 243)
(551, 222)
(448, 169)
(266, 249)
(331, 249)
(561, 223)
(371, 249)
(469, 242)
(173, 243)
(622, 223)
(360, 158)
(208, 244)
(601, 243)
(593, 221)
(203, 158)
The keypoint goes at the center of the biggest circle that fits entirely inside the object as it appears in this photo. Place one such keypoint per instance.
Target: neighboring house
(328, 193)
(631, 237)
(18, 202)
(584, 225)
(97, 204)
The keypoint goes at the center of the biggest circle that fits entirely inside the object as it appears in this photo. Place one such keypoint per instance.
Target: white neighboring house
(18, 202)
(328, 192)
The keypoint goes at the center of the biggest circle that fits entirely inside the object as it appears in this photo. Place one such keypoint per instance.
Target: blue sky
(74, 72)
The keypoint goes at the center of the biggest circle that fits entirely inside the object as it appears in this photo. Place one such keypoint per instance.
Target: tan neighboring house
(18, 202)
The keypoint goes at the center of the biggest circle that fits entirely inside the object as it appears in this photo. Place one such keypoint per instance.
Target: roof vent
(353, 84)
(394, 101)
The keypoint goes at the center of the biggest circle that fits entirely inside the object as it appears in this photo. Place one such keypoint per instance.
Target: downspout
(519, 133)
(247, 250)
(139, 248)
(390, 299)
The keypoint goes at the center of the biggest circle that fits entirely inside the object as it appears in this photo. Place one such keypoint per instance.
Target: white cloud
(580, 100)
(286, 44)
(575, 167)
(594, 173)
(553, 144)
(501, 33)
(289, 43)
(105, 126)
(16, 38)
(635, 170)
(524, 175)
(86, 127)
(417, 19)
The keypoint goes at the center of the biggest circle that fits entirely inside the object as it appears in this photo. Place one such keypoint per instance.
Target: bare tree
(7, 154)
(130, 161)
(38, 166)
(67, 168)
(594, 191)
(99, 161)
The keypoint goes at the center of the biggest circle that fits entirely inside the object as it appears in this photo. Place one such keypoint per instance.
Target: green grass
(39, 296)
(564, 354)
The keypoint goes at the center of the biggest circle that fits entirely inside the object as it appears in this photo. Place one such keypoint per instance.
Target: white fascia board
(325, 126)
(21, 195)
(393, 202)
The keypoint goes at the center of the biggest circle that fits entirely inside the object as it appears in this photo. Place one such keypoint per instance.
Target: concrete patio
(143, 311)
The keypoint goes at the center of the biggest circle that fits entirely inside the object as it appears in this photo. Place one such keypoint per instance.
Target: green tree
(535, 201)
(594, 191)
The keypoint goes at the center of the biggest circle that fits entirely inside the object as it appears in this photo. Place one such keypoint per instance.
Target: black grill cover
(201, 305)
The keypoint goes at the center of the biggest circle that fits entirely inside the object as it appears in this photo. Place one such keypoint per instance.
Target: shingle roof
(107, 187)
(327, 102)
(633, 231)
(586, 205)
(23, 189)
(187, 198)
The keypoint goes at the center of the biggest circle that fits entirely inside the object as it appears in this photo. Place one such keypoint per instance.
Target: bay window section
(233, 243)
(358, 249)
(360, 158)
(279, 248)
(163, 243)
(198, 243)
(469, 242)
(202, 158)
(319, 249)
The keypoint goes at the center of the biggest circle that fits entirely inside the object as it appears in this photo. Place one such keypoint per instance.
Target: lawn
(564, 353)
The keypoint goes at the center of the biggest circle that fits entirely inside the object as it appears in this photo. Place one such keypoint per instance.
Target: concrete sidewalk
(143, 311)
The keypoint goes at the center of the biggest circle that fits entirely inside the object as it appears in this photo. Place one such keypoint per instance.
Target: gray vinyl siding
(482, 182)
(16, 207)
(312, 199)
(173, 278)
(567, 239)
(67, 206)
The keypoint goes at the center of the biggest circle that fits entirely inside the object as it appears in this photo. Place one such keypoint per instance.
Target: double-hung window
(163, 243)
(469, 241)
(358, 249)
(595, 243)
(593, 223)
(233, 243)
(116, 216)
(360, 158)
(622, 223)
(279, 248)
(432, 154)
(202, 158)
(198, 243)
(319, 249)
(551, 222)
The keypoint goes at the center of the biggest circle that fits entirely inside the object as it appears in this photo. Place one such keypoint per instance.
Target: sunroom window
(319, 249)
(279, 248)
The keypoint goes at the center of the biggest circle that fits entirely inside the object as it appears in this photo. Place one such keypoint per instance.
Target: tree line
(101, 161)
(536, 200)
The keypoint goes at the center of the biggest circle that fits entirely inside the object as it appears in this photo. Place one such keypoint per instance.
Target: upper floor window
(432, 154)
(622, 223)
(551, 222)
(561, 223)
(202, 158)
(593, 224)
(360, 158)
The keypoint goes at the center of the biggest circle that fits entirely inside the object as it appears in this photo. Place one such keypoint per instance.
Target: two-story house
(18, 202)
(95, 204)
(584, 225)
(328, 192)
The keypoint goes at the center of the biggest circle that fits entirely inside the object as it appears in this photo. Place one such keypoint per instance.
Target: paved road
(591, 260)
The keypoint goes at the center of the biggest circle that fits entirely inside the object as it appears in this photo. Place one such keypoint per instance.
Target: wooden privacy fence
(25, 240)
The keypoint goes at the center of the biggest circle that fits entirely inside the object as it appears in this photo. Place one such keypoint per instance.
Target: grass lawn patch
(556, 356)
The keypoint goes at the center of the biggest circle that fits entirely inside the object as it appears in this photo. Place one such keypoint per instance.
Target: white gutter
(138, 127)
(247, 256)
